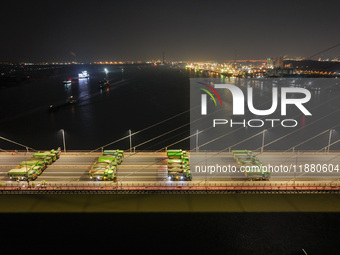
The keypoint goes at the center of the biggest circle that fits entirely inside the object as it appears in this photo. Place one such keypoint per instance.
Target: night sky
(87, 31)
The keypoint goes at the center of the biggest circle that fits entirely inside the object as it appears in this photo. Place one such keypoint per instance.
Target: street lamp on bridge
(263, 132)
(63, 132)
(329, 139)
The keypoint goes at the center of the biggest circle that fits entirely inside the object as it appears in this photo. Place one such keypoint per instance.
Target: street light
(63, 132)
(263, 132)
(197, 149)
(130, 140)
(329, 139)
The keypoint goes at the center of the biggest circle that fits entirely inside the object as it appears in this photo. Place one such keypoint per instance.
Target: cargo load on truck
(109, 159)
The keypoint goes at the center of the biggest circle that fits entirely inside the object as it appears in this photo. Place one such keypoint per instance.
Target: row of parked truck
(105, 168)
(178, 165)
(31, 168)
(251, 165)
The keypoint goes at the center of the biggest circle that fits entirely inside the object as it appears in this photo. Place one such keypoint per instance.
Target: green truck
(175, 153)
(244, 159)
(42, 156)
(119, 154)
(34, 162)
(102, 173)
(178, 161)
(56, 152)
(37, 169)
(46, 155)
(238, 152)
(179, 174)
(255, 171)
(23, 173)
(178, 165)
(109, 159)
(251, 165)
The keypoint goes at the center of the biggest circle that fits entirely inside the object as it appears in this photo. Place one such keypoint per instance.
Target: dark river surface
(139, 97)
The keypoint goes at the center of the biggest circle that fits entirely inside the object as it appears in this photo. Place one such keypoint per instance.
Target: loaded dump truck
(44, 157)
(34, 162)
(255, 171)
(37, 169)
(23, 173)
(119, 154)
(178, 165)
(52, 156)
(55, 152)
(250, 164)
(244, 156)
(102, 173)
(179, 174)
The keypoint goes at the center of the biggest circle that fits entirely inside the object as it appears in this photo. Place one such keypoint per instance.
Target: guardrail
(88, 152)
(277, 186)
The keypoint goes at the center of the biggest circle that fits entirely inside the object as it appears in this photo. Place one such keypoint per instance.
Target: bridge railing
(74, 152)
(235, 185)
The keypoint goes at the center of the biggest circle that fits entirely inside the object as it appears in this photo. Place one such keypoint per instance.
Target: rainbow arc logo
(204, 97)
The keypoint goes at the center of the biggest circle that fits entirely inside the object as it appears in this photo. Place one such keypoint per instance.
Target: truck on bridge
(34, 162)
(53, 154)
(44, 157)
(178, 165)
(250, 165)
(119, 154)
(102, 173)
(24, 173)
(255, 171)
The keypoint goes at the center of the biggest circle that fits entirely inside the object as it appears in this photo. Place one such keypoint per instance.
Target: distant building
(279, 62)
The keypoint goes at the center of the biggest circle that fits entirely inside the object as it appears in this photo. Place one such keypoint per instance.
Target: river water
(139, 97)
(155, 99)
